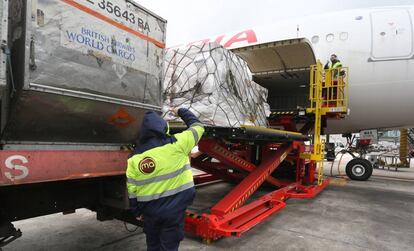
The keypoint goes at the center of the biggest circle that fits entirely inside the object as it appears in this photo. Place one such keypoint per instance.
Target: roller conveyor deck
(247, 133)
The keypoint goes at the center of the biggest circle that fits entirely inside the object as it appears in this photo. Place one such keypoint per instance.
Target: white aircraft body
(377, 44)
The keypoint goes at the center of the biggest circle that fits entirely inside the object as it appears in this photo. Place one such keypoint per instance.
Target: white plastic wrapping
(215, 84)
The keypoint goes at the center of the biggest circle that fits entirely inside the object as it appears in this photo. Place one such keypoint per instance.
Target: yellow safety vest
(165, 170)
(336, 65)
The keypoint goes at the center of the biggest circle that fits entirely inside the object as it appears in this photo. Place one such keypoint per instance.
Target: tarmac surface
(374, 215)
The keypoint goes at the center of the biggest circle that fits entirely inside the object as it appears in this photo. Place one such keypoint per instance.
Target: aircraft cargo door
(283, 68)
(391, 35)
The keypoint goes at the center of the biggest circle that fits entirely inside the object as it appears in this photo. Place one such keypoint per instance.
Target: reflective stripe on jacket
(336, 65)
(165, 170)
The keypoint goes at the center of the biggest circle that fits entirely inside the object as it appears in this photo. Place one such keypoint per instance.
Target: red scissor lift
(227, 155)
(250, 156)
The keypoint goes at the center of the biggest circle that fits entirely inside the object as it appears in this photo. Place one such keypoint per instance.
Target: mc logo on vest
(147, 165)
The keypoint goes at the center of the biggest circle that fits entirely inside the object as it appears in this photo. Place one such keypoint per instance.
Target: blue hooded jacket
(154, 134)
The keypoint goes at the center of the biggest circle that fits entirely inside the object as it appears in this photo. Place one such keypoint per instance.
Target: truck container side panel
(4, 11)
(17, 42)
(89, 54)
(84, 72)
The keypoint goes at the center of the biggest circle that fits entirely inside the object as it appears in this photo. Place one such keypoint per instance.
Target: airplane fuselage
(377, 46)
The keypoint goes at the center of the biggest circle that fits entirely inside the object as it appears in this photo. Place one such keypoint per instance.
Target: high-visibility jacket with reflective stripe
(336, 65)
(165, 170)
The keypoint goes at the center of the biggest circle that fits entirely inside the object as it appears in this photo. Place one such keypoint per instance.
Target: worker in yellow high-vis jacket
(334, 64)
(160, 180)
(329, 93)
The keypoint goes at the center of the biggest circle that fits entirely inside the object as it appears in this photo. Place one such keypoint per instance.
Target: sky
(190, 20)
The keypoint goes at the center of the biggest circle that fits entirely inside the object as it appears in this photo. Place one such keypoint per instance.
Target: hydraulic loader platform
(251, 156)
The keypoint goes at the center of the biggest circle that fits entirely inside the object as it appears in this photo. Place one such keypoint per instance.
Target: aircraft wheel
(359, 169)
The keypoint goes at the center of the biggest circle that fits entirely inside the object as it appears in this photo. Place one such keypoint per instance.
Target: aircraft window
(343, 36)
(315, 39)
(330, 37)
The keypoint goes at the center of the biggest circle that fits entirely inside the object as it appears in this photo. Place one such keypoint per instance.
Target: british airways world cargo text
(119, 12)
(102, 42)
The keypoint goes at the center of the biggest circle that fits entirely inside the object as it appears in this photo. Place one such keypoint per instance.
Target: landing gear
(359, 169)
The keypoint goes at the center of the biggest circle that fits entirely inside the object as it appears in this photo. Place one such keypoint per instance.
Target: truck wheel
(359, 169)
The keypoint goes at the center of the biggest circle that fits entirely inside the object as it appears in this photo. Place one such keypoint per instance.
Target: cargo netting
(215, 84)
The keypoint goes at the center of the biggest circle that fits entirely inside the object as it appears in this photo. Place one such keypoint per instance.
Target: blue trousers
(164, 232)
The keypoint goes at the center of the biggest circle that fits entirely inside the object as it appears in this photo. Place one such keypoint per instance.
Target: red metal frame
(205, 178)
(250, 184)
(231, 216)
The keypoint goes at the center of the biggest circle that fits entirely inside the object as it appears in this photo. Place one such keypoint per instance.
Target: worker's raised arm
(326, 67)
(188, 139)
(188, 117)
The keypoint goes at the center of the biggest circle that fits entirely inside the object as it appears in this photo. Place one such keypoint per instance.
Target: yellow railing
(334, 89)
(316, 99)
(328, 95)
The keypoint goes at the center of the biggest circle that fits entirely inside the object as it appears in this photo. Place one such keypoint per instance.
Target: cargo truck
(76, 78)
